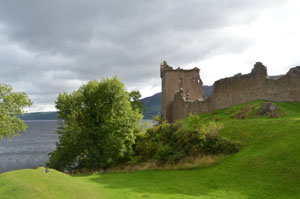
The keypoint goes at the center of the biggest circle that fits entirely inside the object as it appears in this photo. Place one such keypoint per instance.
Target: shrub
(163, 153)
(172, 142)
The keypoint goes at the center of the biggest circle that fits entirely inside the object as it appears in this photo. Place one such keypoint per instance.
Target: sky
(53, 46)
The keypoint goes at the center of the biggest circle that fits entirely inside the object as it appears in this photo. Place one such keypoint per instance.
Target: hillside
(39, 116)
(267, 167)
(208, 90)
(152, 107)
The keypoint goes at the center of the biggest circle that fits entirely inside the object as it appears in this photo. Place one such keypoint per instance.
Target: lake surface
(31, 148)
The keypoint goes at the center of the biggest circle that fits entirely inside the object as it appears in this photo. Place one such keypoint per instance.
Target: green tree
(97, 126)
(11, 105)
(135, 101)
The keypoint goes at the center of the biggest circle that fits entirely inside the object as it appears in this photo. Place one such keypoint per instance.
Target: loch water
(31, 148)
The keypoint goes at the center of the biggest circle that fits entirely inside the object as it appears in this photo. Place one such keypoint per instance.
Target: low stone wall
(241, 89)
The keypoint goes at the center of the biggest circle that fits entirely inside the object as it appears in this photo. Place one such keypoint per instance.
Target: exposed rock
(270, 110)
(267, 108)
(244, 113)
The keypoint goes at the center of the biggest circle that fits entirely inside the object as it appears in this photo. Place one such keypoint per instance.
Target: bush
(216, 145)
(163, 153)
(172, 142)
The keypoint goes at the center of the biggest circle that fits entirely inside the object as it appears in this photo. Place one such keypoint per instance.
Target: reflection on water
(30, 149)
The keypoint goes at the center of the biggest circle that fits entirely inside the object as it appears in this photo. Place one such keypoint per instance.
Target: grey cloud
(52, 43)
(58, 25)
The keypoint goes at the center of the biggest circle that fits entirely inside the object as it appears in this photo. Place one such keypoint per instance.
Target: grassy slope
(268, 166)
(29, 184)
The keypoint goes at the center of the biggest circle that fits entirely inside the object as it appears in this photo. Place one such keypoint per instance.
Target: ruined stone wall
(241, 89)
(172, 80)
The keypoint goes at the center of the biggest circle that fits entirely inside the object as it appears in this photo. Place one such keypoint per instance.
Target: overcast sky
(52, 46)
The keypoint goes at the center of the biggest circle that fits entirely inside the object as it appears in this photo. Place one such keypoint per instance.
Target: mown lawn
(267, 167)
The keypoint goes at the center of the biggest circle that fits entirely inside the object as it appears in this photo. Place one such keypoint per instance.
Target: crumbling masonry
(182, 92)
(187, 82)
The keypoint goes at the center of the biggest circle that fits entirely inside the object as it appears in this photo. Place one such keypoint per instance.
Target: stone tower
(188, 81)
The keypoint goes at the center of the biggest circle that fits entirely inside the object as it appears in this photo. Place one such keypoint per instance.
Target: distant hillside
(275, 76)
(208, 91)
(39, 116)
(152, 106)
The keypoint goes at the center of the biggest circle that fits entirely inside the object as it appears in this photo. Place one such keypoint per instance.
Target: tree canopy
(98, 125)
(11, 105)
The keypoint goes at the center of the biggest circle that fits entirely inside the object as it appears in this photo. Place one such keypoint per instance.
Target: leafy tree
(97, 126)
(136, 104)
(11, 105)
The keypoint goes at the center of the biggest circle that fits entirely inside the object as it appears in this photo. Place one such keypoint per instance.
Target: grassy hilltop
(268, 166)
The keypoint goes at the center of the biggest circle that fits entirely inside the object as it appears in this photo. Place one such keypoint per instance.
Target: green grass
(267, 167)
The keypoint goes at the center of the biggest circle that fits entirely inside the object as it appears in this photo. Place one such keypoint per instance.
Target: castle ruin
(188, 82)
(182, 92)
